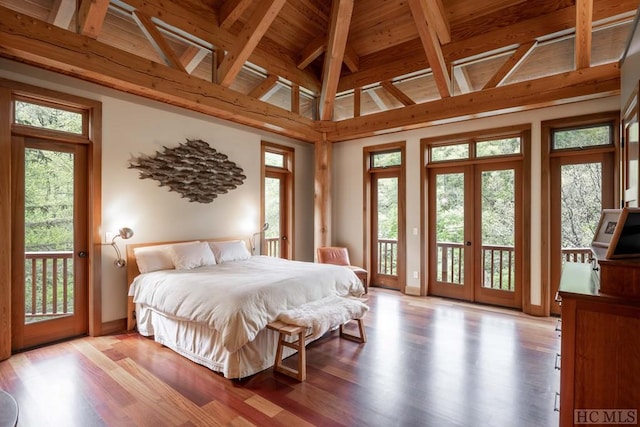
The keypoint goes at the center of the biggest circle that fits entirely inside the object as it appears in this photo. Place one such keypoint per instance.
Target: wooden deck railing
(273, 246)
(48, 284)
(498, 262)
(388, 257)
(582, 255)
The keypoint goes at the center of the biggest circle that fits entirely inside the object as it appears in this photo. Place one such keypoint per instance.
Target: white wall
(134, 126)
(348, 186)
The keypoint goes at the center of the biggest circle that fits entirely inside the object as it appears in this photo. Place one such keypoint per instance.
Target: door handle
(83, 254)
(468, 243)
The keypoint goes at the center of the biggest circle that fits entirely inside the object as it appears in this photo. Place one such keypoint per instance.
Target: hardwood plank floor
(427, 362)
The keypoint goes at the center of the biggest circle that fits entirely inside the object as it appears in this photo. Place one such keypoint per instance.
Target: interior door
(476, 240)
(50, 241)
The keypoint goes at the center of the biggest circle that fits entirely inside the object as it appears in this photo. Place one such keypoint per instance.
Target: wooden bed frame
(133, 271)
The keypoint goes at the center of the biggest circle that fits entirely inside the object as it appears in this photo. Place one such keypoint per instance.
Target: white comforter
(239, 298)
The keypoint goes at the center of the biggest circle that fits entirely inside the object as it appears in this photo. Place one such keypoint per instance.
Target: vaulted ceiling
(335, 70)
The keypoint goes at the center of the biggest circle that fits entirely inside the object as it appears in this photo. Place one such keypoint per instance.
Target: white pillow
(192, 255)
(235, 250)
(153, 258)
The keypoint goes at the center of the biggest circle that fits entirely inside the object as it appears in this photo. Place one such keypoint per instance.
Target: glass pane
(274, 159)
(580, 138)
(581, 204)
(48, 220)
(387, 226)
(272, 210)
(39, 116)
(498, 147)
(450, 228)
(381, 160)
(450, 152)
(498, 229)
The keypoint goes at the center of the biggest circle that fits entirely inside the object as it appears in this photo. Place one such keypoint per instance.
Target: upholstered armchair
(340, 256)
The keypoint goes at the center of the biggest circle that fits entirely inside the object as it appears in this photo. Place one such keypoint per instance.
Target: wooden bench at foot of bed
(340, 310)
(286, 330)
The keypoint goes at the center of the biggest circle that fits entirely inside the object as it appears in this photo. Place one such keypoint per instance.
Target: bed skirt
(201, 344)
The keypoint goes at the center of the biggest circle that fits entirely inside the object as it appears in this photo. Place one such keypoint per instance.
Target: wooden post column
(322, 194)
(5, 225)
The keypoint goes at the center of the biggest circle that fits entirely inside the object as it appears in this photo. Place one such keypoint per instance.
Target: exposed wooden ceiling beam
(341, 11)
(511, 64)
(462, 78)
(590, 83)
(373, 94)
(158, 41)
(312, 51)
(62, 13)
(584, 20)
(37, 42)
(192, 57)
(436, 17)
(174, 13)
(318, 46)
(248, 39)
(231, 10)
(351, 59)
(397, 93)
(91, 16)
(408, 58)
(264, 86)
(431, 47)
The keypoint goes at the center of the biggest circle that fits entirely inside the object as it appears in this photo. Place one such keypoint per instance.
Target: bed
(215, 313)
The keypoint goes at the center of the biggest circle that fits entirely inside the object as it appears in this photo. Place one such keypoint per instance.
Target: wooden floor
(427, 362)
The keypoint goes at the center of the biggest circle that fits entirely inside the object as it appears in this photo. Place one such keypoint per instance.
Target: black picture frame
(606, 227)
(625, 242)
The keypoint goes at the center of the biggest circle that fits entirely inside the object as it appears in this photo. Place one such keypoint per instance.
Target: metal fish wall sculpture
(194, 169)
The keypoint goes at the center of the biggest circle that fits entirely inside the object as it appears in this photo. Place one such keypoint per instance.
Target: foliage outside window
(40, 116)
(449, 152)
(591, 136)
(498, 147)
(274, 159)
(384, 160)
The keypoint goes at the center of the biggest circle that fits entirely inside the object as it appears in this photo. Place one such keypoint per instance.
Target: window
(51, 117)
(499, 146)
(582, 137)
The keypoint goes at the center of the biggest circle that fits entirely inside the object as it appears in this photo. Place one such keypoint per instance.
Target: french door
(475, 218)
(49, 241)
(277, 200)
(581, 186)
(385, 225)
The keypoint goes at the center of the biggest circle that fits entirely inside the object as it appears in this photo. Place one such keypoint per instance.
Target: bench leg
(363, 335)
(301, 373)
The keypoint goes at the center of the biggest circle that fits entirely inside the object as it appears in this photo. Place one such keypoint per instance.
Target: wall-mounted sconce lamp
(123, 233)
(265, 227)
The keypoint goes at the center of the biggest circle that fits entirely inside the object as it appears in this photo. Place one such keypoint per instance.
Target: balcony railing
(273, 246)
(48, 285)
(498, 262)
(388, 257)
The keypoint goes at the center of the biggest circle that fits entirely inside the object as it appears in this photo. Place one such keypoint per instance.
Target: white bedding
(238, 299)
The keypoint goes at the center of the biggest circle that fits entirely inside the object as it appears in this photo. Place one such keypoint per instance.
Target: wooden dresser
(600, 340)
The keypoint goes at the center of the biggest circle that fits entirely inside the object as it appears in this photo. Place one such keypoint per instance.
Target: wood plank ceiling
(330, 70)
